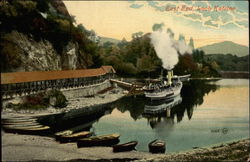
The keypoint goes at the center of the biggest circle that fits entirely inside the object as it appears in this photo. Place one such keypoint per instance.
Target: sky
(206, 22)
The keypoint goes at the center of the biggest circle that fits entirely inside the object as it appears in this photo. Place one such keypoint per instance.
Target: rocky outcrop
(33, 55)
(40, 36)
(39, 55)
(69, 56)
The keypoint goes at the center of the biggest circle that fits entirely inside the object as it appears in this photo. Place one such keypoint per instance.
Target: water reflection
(192, 95)
(161, 106)
(76, 120)
(158, 113)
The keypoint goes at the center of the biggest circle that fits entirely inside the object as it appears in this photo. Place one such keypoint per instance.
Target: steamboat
(164, 89)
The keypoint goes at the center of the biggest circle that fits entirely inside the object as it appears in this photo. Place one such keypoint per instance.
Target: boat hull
(73, 137)
(157, 146)
(106, 140)
(40, 129)
(125, 147)
(164, 94)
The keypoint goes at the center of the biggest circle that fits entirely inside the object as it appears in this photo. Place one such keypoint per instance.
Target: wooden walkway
(133, 89)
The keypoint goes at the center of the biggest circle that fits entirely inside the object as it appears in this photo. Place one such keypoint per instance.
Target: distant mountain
(225, 48)
(106, 39)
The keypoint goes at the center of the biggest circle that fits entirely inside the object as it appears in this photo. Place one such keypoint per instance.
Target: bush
(60, 100)
(41, 101)
(9, 53)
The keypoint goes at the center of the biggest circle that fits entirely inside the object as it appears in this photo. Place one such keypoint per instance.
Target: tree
(182, 38)
(137, 35)
(191, 43)
(157, 27)
(122, 43)
(145, 64)
(198, 56)
(81, 28)
(170, 32)
(186, 65)
(73, 19)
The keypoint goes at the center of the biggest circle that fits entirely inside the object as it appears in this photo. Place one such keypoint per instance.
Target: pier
(26, 83)
(133, 89)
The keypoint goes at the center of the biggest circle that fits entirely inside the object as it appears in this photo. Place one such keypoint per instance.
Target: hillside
(39, 35)
(226, 47)
(106, 39)
(229, 62)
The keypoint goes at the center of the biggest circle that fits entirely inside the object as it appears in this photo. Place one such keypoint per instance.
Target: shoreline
(17, 147)
(73, 104)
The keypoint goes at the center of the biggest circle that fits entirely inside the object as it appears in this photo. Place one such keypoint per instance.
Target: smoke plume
(167, 48)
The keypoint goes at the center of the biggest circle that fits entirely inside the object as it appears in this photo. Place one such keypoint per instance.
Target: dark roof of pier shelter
(19, 77)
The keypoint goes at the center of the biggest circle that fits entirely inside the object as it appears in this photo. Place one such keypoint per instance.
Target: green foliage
(7, 10)
(145, 64)
(137, 35)
(126, 69)
(9, 53)
(181, 37)
(25, 7)
(132, 58)
(157, 27)
(41, 101)
(60, 99)
(191, 42)
(25, 17)
(196, 65)
(229, 62)
(42, 5)
(122, 44)
(170, 32)
(26, 106)
(186, 65)
(82, 29)
(198, 56)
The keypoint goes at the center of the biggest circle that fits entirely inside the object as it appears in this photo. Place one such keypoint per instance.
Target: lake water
(210, 112)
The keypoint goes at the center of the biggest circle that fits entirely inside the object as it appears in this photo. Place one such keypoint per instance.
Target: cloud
(207, 18)
(243, 23)
(211, 23)
(136, 6)
(193, 16)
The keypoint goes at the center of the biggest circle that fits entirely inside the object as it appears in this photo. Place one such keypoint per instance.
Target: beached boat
(37, 129)
(18, 120)
(157, 146)
(164, 89)
(129, 146)
(63, 133)
(73, 137)
(17, 117)
(26, 123)
(104, 140)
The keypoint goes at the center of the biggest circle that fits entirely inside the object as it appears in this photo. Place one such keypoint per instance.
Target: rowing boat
(38, 129)
(104, 140)
(73, 136)
(63, 133)
(157, 146)
(129, 146)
